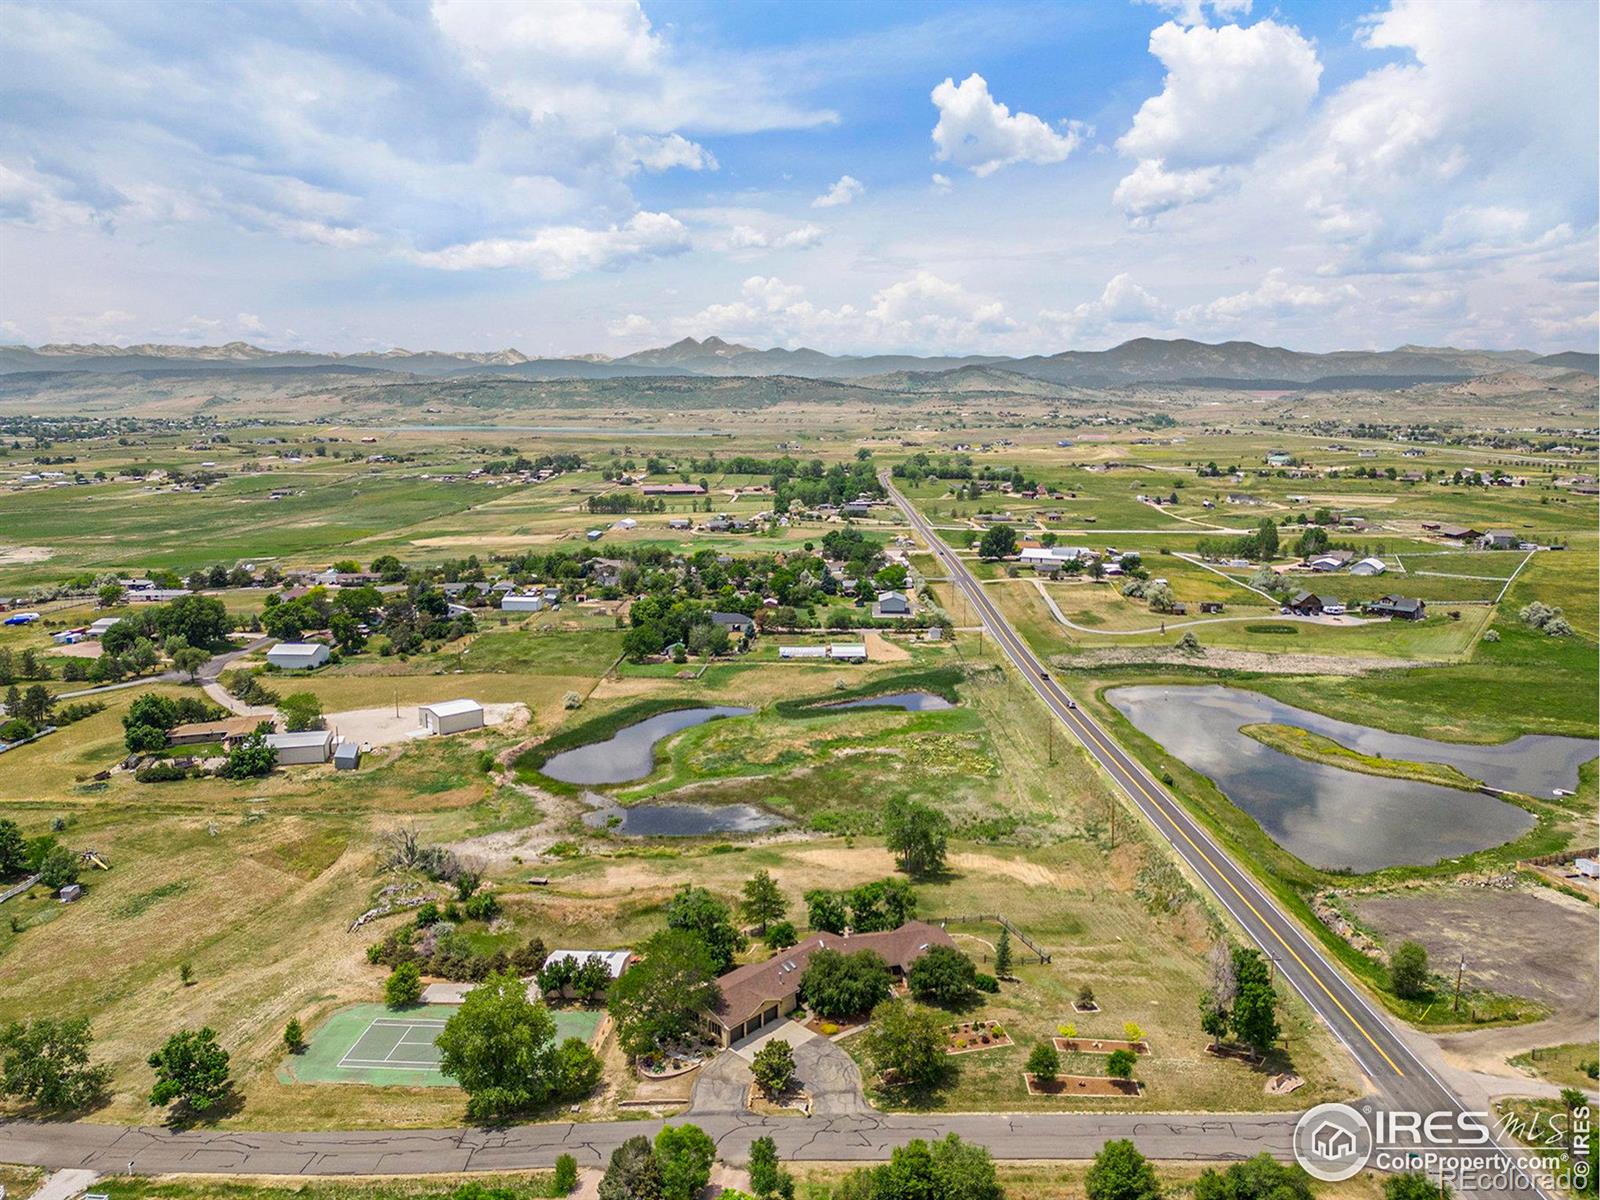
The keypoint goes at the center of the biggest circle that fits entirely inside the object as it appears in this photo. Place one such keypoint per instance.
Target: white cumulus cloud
(563, 250)
(979, 133)
(842, 192)
(1276, 297)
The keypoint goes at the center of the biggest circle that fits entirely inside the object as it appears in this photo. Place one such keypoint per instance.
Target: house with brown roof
(227, 731)
(757, 994)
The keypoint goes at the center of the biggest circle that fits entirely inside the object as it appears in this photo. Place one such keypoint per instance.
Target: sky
(601, 176)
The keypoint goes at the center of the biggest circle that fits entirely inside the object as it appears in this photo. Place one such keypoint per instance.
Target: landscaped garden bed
(968, 1036)
(782, 1104)
(1081, 1085)
(1081, 1045)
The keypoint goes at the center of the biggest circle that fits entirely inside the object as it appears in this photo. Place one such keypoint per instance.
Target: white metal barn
(301, 749)
(511, 603)
(451, 716)
(297, 656)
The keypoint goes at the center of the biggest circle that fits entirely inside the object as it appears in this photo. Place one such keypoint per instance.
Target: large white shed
(451, 716)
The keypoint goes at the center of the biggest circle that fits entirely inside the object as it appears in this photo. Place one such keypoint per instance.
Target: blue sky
(564, 176)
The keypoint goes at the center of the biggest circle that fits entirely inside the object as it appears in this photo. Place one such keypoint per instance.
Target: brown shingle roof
(748, 989)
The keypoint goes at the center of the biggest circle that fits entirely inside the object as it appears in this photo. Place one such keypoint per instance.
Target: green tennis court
(372, 1044)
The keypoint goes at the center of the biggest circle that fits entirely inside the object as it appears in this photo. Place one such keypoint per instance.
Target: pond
(910, 701)
(1330, 817)
(679, 820)
(630, 753)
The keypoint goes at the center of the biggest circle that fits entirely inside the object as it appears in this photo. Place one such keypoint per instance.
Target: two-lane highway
(1400, 1078)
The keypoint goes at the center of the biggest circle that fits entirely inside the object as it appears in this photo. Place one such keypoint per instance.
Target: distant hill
(1178, 361)
(1571, 360)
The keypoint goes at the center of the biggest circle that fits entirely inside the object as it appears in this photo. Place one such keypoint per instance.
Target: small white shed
(297, 656)
(451, 716)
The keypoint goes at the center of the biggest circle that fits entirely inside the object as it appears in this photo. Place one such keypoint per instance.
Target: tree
(948, 1169)
(697, 911)
(633, 1172)
(1160, 596)
(773, 1066)
(685, 1154)
(662, 996)
(1255, 1005)
(251, 758)
(1258, 1178)
(577, 1069)
(781, 935)
(1002, 954)
(403, 988)
(943, 975)
(826, 911)
(45, 1062)
(189, 660)
(916, 832)
(1414, 1185)
(907, 1041)
(58, 868)
(763, 901)
(294, 1037)
(191, 1069)
(1120, 1064)
(500, 1047)
(1120, 1172)
(1408, 970)
(13, 849)
(301, 711)
(109, 595)
(1044, 1062)
(768, 1179)
(998, 541)
(837, 985)
(1215, 1021)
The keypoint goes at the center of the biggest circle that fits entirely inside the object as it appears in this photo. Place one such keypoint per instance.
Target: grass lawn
(1564, 1066)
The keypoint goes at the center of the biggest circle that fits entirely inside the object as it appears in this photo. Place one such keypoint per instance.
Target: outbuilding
(297, 656)
(346, 756)
(302, 749)
(451, 716)
(98, 628)
(511, 603)
(892, 604)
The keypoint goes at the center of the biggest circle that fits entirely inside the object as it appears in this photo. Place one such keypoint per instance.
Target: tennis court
(395, 1042)
(372, 1044)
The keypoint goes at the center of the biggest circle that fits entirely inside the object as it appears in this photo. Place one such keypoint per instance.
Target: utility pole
(1050, 736)
(1460, 968)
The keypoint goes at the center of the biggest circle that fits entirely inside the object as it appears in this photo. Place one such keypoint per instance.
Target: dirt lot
(381, 727)
(1535, 944)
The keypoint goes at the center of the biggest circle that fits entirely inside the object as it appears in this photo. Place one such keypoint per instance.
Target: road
(214, 666)
(1400, 1078)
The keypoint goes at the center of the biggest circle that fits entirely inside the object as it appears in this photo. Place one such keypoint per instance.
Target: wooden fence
(1038, 951)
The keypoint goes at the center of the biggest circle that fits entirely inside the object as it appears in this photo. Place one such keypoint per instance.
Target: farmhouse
(451, 716)
(1460, 533)
(1305, 603)
(302, 749)
(297, 656)
(737, 624)
(1402, 608)
(227, 731)
(757, 994)
(1499, 539)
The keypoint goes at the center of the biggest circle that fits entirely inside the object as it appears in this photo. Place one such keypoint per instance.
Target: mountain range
(1140, 361)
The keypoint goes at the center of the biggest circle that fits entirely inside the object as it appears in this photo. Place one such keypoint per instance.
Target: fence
(1038, 951)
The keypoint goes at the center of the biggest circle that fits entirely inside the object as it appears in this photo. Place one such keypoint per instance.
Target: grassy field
(1564, 1066)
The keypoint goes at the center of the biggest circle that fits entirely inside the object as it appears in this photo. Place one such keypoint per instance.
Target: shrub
(565, 1178)
(1408, 970)
(294, 1038)
(1085, 996)
(773, 1066)
(1044, 1062)
(985, 983)
(1120, 1064)
(404, 986)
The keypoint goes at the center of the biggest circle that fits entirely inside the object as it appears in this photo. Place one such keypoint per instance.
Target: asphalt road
(1400, 1078)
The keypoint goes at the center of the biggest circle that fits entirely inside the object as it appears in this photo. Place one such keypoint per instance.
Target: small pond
(630, 753)
(910, 701)
(1330, 817)
(679, 820)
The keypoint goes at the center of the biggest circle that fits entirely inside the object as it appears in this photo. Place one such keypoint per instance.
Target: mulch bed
(1085, 1008)
(1098, 1045)
(970, 1036)
(1081, 1085)
(792, 1101)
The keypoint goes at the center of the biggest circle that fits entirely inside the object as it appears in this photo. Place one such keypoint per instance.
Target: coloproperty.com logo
(1334, 1142)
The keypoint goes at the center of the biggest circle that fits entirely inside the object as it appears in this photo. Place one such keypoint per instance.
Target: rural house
(1403, 608)
(757, 994)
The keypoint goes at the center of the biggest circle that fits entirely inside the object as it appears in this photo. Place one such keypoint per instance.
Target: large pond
(630, 753)
(910, 701)
(1336, 818)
